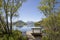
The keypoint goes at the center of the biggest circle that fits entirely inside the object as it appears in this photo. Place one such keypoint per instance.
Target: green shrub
(16, 35)
(45, 38)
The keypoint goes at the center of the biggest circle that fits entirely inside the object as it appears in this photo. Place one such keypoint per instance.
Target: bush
(45, 38)
(16, 35)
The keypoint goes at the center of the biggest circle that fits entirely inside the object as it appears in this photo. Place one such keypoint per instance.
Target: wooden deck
(34, 34)
(37, 34)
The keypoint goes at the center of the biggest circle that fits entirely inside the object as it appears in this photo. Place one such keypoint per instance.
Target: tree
(48, 7)
(10, 8)
(0, 3)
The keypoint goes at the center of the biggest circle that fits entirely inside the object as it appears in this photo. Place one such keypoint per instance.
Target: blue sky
(30, 12)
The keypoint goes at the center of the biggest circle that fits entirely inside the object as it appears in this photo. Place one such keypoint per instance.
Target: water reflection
(22, 29)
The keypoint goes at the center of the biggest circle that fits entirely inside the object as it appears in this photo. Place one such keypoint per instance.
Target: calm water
(22, 29)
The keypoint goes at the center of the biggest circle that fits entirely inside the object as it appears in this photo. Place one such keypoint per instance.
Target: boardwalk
(34, 34)
(31, 37)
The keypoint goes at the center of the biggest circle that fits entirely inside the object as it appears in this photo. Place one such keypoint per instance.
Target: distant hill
(30, 23)
(19, 23)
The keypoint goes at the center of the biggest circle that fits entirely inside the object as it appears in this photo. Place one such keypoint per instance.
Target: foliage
(51, 29)
(38, 23)
(0, 3)
(10, 8)
(51, 23)
(48, 7)
(45, 38)
(16, 35)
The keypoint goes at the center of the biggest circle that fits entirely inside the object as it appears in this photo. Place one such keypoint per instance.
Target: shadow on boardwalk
(31, 37)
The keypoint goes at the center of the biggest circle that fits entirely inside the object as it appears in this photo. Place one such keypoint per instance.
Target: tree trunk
(7, 22)
(6, 12)
(11, 23)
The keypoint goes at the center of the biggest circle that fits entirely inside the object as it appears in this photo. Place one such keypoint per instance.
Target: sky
(29, 11)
